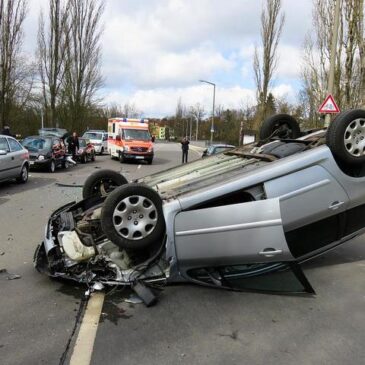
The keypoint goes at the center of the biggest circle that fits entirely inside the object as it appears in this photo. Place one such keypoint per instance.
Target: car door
(5, 160)
(249, 232)
(313, 206)
(17, 157)
(240, 246)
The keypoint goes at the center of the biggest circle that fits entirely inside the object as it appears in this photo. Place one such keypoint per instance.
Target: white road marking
(139, 166)
(85, 340)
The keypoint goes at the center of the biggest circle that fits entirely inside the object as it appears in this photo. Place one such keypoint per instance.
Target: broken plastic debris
(133, 299)
(98, 286)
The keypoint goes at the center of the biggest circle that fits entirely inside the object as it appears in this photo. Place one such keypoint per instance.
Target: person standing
(185, 149)
(73, 145)
(6, 131)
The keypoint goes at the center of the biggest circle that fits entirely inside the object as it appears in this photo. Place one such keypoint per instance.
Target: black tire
(83, 159)
(139, 230)
(280, 125)
(52, 166)
(149, 161)
(24, 174)
(345, 142)
(121, 157)
(107, 180)
(101, 151)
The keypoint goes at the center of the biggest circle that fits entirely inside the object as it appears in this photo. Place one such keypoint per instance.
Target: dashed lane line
(85, 340)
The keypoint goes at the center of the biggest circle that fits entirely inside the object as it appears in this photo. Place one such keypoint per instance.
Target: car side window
(14, 145)
(4, 144)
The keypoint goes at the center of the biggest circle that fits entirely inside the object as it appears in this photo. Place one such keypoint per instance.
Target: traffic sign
(329, 106)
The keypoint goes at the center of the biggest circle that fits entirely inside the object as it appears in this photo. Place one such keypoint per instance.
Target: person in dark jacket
(73, 145)
(6, 131)
(185, 149)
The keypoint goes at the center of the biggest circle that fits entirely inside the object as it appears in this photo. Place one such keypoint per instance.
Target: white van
(98, 138)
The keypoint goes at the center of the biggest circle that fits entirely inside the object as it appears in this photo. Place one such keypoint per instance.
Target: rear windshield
(139, 134)
(92, 135)
(37, 143)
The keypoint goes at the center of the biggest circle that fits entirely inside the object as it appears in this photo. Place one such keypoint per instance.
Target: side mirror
(118, 138)
(3, 152)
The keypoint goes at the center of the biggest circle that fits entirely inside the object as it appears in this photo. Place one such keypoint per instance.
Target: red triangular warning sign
(329, 106)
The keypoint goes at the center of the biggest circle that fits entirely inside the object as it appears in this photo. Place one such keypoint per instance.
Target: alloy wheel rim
(135, 217)
(354, 138)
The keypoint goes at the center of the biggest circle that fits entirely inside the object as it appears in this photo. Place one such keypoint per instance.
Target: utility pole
(331, 75)
(212, 126)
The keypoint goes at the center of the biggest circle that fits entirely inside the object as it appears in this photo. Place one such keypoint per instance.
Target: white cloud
(165, 100)
(156, 50)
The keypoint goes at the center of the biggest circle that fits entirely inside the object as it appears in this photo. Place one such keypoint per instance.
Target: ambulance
(129, 139)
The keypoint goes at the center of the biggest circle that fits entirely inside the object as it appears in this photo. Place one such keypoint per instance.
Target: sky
(154, 52)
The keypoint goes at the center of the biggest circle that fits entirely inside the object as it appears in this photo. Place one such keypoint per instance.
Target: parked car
(14, 160)
(99, 139)
(86, 151)
(243, 219)
(45, 152)
(216, 148)
(57, 132)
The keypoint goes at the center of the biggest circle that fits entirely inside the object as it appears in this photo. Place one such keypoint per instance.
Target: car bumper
(97, 148)
(39, 164)
(135, 156)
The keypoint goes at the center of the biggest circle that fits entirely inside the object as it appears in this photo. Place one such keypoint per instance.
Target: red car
(86, 151)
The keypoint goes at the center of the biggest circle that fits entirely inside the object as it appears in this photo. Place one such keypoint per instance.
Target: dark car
(216, 148)
(45, 152)
(86, 151)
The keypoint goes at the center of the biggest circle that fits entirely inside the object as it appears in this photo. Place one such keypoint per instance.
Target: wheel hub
(354, 138)
(135, 217)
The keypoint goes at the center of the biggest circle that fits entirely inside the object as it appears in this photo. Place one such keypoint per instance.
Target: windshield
(92, 135)
(140, 134)
(37, 143)
(82, 142)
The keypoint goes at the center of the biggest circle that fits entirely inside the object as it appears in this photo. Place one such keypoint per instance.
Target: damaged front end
(76, 248)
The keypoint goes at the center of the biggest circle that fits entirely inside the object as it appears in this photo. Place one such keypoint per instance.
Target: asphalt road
(190, 324)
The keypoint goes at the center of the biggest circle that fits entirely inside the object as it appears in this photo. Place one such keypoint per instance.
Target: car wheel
(280, 125)
(149, 161)
(132, 217)
(52, 166)
(121, 157)
(24, 174)
(101, 151)
(346, 137)
(102, 182)
(83, 159)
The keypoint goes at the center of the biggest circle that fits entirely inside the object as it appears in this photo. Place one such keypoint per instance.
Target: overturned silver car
(243, 219)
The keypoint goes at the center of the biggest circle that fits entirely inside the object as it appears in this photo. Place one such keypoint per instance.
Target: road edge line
(84, 344)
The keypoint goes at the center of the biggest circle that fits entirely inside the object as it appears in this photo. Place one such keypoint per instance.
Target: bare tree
(51, 54)
(12, 15)
(347, 80)
(82, 69)
(265, 62)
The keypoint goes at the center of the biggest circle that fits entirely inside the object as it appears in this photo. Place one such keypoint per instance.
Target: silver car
(244, 219)
(14, 160)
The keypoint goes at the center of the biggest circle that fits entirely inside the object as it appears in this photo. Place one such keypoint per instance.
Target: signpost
(329, 106)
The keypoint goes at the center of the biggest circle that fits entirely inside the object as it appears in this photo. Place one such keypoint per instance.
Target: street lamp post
(212, 127)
